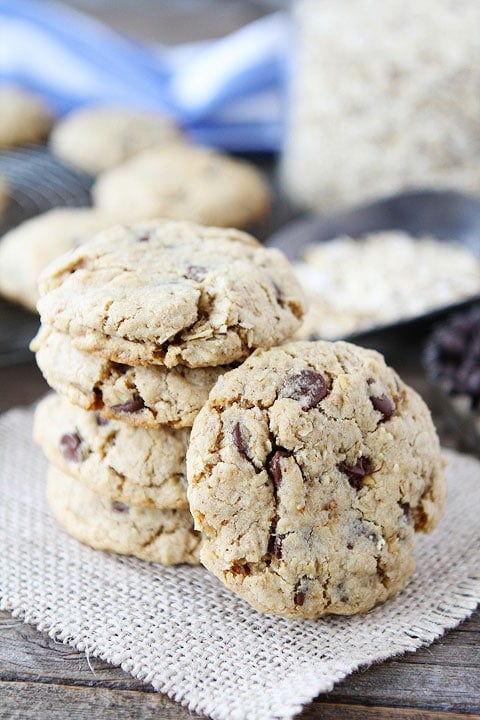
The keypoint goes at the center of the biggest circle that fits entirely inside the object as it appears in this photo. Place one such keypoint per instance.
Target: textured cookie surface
(172, 293)
(23, 117)
(99, 137)
(144, 396)
(164, 536)
(185, 183)
(137, 466)
(309, 470)
(27, 249)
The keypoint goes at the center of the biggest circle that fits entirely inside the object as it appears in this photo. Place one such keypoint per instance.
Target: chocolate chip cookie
(310, 468)
(27, 249)
(137, 466)
(183, 182)
(172, 293)
(145, 396)
(98, 137)
(163, 536)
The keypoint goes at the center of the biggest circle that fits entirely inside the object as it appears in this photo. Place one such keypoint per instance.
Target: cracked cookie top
(309, 470)
(138, 466)
(163, 536)
(144, 396)
(172, 293)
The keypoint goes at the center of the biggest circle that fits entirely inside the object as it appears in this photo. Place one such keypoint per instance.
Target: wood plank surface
(443, 678)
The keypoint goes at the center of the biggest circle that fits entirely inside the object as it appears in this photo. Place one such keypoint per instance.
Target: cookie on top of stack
(137, 325)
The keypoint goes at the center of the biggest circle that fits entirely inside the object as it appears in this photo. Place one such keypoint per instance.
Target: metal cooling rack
(37, 182)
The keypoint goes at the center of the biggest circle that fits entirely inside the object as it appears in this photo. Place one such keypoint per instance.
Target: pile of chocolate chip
(452, 356)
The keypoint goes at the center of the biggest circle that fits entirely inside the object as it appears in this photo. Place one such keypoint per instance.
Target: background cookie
(96, 138)
(183, 182)
(164, 536)
(27, 249)
(137, 466)
(146, 396)
(172, 293)
(309, 469)
(24, 118)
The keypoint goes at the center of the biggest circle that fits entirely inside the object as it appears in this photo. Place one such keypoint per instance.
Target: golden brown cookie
(137, 466)
(163, 536)
(309, 470)
(172, 293)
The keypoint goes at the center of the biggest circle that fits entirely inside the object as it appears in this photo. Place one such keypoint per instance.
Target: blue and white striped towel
(226, 93)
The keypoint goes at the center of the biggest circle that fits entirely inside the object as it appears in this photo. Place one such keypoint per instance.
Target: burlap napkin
(180, 630)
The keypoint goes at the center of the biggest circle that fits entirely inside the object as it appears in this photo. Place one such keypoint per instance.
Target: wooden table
(44, 680)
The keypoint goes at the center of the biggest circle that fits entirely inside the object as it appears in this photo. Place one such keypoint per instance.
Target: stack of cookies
(137, 326)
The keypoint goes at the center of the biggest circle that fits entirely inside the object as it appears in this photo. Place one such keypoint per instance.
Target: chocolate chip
(238, 441)
(135, 405)
(277, 546)
(100, 419)
(70, 445)
(143, 237)
(306, 386)
(406, 509)
(356, 472)
(274, 467)
(383, 404)
(370, 381)
(300, 591)
(451, 344)
(299, 597)
(120, 507)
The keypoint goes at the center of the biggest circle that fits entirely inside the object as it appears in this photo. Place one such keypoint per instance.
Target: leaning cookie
(99, 137)
(27, 249)
(24, 117)
(310, 469)
(163, 536)
(137, 466)
(183, 182)
(172, 293)
(145, 396)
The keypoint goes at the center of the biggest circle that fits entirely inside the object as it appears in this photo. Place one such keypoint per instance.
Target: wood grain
(51, 701)
(442, 680)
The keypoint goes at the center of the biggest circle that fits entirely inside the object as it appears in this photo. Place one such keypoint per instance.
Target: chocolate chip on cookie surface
(138, 466)
(164, 536)
(144, 396)
(300, 468)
